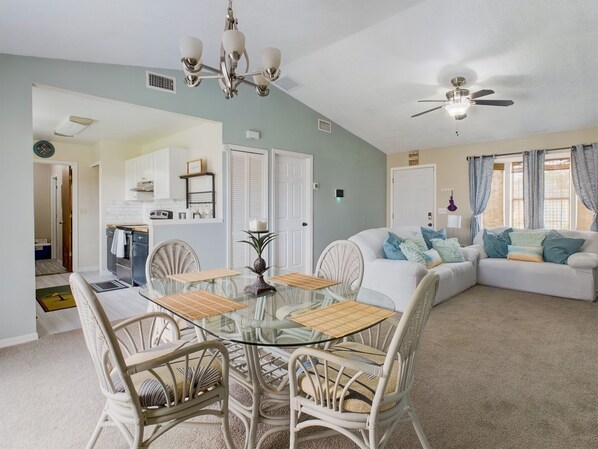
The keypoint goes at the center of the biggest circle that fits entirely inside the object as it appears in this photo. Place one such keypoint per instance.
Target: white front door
(413, 196)
(293, 211)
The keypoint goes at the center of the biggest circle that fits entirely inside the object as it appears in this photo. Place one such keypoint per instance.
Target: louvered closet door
(249, 190)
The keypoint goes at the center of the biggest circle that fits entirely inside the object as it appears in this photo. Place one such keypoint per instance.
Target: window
(562, 208)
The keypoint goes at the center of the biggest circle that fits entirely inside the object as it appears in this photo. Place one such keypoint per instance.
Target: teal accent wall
(341, 160)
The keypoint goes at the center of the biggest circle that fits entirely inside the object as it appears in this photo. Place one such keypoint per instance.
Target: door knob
(304, 224)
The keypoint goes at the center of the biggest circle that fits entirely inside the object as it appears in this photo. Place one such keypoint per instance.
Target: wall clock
(43, 148)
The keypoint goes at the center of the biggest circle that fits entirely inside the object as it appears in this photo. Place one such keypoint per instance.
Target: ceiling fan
(459, 100)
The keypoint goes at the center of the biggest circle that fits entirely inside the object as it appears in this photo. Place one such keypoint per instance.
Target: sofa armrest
(471, 253)
(480, 249)
(583, 260)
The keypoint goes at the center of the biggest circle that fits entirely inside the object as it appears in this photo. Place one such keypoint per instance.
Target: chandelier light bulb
(233, 42)
(260, 80)
(191, 48)
(271, 62)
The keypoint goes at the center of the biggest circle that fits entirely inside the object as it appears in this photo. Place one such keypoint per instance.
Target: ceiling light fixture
(72, 125)
(231, 51)
(457, 108)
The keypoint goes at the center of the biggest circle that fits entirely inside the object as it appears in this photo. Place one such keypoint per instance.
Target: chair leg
(292, 428)
(418, 427)
(98, 429)
(228, 441)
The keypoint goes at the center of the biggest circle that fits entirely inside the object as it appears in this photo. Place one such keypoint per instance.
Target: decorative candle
(258, 225)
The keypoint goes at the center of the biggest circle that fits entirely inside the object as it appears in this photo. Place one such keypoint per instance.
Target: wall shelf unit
(200, 197)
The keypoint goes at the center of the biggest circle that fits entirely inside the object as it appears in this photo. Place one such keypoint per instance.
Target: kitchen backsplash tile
(134, 212)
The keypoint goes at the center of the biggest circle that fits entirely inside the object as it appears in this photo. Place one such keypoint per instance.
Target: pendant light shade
(233, 42)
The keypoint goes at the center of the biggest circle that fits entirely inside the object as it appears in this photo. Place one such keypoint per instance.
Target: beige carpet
(498, 369)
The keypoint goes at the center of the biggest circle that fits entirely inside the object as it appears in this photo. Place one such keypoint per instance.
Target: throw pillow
(432, 258)
(449, 250)
(419, 241)
(558, 249)
(391, 247)
(412, 251)
(429, 234)
(528, 238)
(496, 246)
(525, 253)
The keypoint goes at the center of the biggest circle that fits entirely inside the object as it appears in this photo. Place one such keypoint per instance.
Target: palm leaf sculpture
(258, 241)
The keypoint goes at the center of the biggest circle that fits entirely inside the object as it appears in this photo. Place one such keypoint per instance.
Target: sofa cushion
(525, 253)
(528, 237)
(391, 247)
(412, 252)
(558, 249)
(497, 246)
(429, 234)
(449, 250)
(432, 258)
(419, 241)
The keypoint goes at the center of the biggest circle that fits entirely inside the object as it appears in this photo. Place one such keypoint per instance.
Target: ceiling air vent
(287, 83)
(160, 82)
(324, 125)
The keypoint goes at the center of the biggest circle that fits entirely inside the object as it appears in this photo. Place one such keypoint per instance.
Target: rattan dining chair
(341, 261)
(362, 390)
(148, 383)
(166, 258)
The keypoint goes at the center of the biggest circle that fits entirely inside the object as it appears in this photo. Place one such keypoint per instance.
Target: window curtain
(533, 189)
(584, 168)
(480, 182)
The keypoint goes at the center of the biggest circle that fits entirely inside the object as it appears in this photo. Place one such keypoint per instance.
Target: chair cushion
(391, 247)
(449, 250)
(429, 234)
(525, 253)
(360, 393)
(496, 246)
(150, 390)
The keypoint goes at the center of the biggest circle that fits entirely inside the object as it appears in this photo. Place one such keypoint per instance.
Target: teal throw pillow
(449, 250)
(419, 241)
(429, 234)
(391, 247)
(412, 252)
(528, 238)
(558, 249)
(497, 246)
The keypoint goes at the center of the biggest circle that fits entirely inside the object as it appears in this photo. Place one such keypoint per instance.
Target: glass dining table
(260, 336)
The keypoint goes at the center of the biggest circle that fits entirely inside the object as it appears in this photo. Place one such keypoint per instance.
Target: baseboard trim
(91, 268)
(18, 340)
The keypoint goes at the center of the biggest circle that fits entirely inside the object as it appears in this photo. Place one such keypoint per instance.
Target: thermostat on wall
(340, 193)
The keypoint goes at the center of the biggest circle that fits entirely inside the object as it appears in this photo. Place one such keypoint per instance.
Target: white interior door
(248, 187)
(293, 211)
(413, 196)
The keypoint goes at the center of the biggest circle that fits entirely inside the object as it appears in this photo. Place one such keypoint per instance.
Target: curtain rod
(521, 152)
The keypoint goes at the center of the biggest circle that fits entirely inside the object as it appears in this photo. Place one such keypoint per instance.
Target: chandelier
(231, 52)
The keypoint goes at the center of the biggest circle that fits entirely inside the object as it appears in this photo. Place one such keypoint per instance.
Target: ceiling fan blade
(493, 102)
(425, 112)
(481, 93)
(431, 101)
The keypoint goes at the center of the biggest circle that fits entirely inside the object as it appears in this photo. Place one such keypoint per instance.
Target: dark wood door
(67, 217)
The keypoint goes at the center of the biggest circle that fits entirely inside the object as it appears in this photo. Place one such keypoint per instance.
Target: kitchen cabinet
(169, 164)
(137, 170)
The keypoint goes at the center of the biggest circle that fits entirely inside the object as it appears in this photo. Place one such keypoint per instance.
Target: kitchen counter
(138, 228)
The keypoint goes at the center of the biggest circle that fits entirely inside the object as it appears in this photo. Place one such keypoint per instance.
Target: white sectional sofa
(578, 279)
(398, 278)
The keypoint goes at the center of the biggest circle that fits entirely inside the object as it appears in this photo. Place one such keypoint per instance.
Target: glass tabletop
(265, 319)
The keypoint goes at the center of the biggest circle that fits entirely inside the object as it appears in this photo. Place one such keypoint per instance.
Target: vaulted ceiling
(363, 64)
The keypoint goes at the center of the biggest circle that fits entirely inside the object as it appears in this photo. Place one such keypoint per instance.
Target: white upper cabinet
(146, 167)
(169, 164)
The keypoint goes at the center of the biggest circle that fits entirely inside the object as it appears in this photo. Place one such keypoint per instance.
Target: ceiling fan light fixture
(458, 107)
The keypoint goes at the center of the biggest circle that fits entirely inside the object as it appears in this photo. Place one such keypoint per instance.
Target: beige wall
(41, 198)
(451, 166)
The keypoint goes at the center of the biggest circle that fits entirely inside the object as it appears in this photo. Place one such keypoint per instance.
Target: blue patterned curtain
(480, 182)
(584, 168)
(533, 189)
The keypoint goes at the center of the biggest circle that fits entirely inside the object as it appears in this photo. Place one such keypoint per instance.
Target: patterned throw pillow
(449, 250)
(412, 252)
(528, 238)
(429, 234)
(391, 247)
(432, 258)
(496, 246)
(419, 241)
(525, 253)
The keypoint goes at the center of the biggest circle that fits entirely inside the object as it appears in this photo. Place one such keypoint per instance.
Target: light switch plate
(442, 211)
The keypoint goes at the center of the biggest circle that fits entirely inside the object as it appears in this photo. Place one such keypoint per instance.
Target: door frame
(229, 224)
(75, 206)
(309, 207)
(53, 214)
(411, 167)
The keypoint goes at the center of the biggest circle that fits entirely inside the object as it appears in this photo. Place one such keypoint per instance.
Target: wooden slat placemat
(205, 275)
(198, 304)
(343, 318)
(303, 281)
